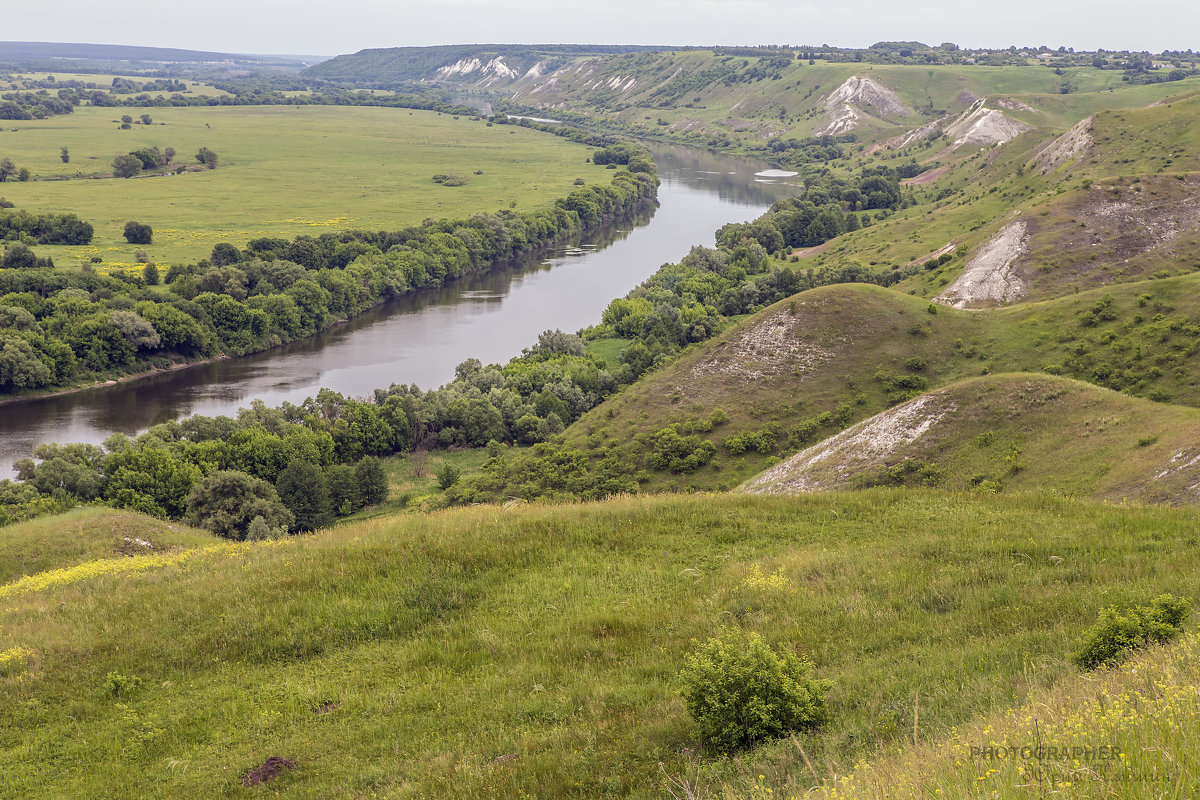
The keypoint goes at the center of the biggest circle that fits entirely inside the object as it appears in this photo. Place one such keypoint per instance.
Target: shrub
(1118, 633)
(118, 685)
(668, 451)
(447, 476)
(762, 442)
(741, 691)
(138, 233)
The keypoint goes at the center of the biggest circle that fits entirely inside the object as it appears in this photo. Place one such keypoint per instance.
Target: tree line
(527, 402)
(59, 327)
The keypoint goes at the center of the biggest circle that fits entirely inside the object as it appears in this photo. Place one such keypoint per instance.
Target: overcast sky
(345, 26)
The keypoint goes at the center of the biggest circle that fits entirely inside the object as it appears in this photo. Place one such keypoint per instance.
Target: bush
(126, 166)
(1118, 633)
(138, 233)
(740, 691)
(668, 451)
(447, 476)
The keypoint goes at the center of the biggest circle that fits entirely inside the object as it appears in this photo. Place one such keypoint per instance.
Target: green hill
(490, 652)
(808, 366)
(1107, 201)
(1016, 431)
(86, 534)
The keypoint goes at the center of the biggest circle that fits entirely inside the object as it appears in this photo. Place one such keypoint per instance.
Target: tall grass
(534, 651)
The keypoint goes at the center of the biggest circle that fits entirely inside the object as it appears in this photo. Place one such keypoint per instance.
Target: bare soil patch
(926, 177)
(869, 444)
(1110, 234)
(767, 347)
(268, 770)
(989, 277)
(1068, 148)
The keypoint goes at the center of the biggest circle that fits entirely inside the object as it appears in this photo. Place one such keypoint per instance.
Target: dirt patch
(948, 247)
(134, 546)
(815, 250)
(1143, 223)
(861, 90)
(767, 347)
(327, 708)
(930, 130)
(870, 443)
(1066, 149)
(1009, 104)
(990, 276)
(1186, 466)
(269, 770)
(926, 177)
(842, 119)
(978, 125)
(1108, 234)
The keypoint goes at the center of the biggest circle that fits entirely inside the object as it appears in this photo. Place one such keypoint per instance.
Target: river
(421, 338)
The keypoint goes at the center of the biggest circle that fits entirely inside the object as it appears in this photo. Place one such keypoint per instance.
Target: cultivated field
(284, 171)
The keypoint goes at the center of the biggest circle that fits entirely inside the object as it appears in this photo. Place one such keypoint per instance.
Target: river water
(421, 338)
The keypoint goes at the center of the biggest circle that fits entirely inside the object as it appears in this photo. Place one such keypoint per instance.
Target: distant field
(194, 87)
(283, 171)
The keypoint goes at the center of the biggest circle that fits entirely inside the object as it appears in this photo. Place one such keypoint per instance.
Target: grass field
(1128, 734)
(21, 80)
(534, 651)
(284, 171)
(85, 534)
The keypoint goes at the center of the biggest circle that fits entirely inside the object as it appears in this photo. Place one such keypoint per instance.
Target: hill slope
(806, 367)
(494, 652)
(1109, 200)
(85, 534)
(1016, 431)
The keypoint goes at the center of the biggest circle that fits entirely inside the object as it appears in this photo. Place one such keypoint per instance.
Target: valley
(923, 417)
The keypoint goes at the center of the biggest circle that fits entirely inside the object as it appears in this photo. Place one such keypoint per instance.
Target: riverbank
(276, 292)
(643, 206)
(418, 339)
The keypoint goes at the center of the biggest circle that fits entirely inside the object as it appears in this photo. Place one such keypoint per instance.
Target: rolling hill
(931, 490)
(1011, 432)
(805, 367)
(534, 651)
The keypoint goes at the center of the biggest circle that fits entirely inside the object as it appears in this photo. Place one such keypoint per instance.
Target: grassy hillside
(1119, 209)
(86, 534)
(705, 96)
(284, 171)
(1129, 733)
(1012, 431)
(533, 651)
(805, 367)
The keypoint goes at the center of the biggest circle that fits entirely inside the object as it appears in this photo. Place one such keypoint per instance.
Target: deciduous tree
(126, 166)
(227, 501)
(138, 233)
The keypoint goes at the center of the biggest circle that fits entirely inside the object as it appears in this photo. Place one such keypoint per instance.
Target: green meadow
(283, 171)
(23, 80)
(535, 651)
